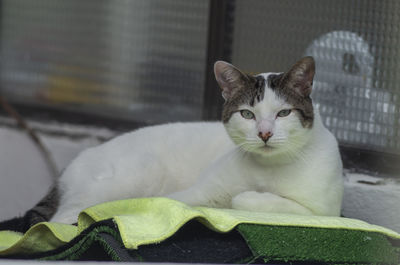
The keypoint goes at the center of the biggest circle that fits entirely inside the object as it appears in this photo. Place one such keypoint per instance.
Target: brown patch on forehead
(303, 104)
(250, 91)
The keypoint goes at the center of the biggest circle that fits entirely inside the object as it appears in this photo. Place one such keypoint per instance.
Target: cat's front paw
(267, 202)
(248, 200)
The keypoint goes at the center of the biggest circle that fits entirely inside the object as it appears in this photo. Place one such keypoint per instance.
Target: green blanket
(278, 237)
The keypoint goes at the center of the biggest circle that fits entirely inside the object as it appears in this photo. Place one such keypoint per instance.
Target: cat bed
(164, 230)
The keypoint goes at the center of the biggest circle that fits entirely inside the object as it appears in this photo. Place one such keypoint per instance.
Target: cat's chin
(264, 150)
(267, 150)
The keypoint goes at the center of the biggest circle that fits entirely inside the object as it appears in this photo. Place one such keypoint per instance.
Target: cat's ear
(300, 77)
(229, 78)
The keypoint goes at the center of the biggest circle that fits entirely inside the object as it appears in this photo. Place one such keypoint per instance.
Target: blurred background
(81, 72)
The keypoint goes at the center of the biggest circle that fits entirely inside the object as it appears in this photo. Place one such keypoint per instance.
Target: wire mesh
(126, 59)
(356, 47)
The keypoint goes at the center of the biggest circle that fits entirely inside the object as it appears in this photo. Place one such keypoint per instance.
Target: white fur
(299, 171)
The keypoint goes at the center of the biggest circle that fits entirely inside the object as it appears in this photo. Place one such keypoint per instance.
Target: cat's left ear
(229, 78)
(300, 77)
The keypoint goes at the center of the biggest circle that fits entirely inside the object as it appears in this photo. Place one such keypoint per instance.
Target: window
(151, 61)
(134, 60)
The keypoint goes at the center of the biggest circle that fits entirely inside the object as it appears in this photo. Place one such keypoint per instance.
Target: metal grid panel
(356, 47)
(141, 60)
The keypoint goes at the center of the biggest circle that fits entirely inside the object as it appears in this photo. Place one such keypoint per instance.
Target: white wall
(24, 177)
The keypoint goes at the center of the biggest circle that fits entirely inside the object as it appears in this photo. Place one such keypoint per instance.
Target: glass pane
(141, 60)
(356, 48)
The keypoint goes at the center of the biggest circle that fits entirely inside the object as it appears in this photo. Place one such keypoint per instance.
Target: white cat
(270, 153)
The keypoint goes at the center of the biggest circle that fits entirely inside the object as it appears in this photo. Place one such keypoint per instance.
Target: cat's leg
(188, 197)
(267, 202)
(205, 194)
(66, 215)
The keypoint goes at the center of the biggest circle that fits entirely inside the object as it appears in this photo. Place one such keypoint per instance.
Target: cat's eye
(284, 113)
(247, 114)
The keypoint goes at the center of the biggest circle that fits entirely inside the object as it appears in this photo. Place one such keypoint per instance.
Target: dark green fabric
(339, 246)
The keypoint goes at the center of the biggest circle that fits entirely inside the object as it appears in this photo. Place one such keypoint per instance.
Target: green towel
(152, 220)
(41, 237)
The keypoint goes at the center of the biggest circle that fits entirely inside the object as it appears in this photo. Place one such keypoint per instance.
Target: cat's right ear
(300, 76)
(229, 78)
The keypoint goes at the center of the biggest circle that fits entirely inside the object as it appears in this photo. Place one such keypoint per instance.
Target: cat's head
(267, 113)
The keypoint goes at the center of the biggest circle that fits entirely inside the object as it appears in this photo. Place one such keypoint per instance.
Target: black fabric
(23, 223)
(196, 243)
(16, 224)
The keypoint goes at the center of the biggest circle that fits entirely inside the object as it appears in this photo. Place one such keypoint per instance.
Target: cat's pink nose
(265, 136)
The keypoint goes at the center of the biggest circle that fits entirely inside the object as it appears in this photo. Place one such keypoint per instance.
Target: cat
(270, 153)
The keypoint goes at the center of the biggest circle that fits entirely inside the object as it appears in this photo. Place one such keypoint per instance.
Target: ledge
(374, 200)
